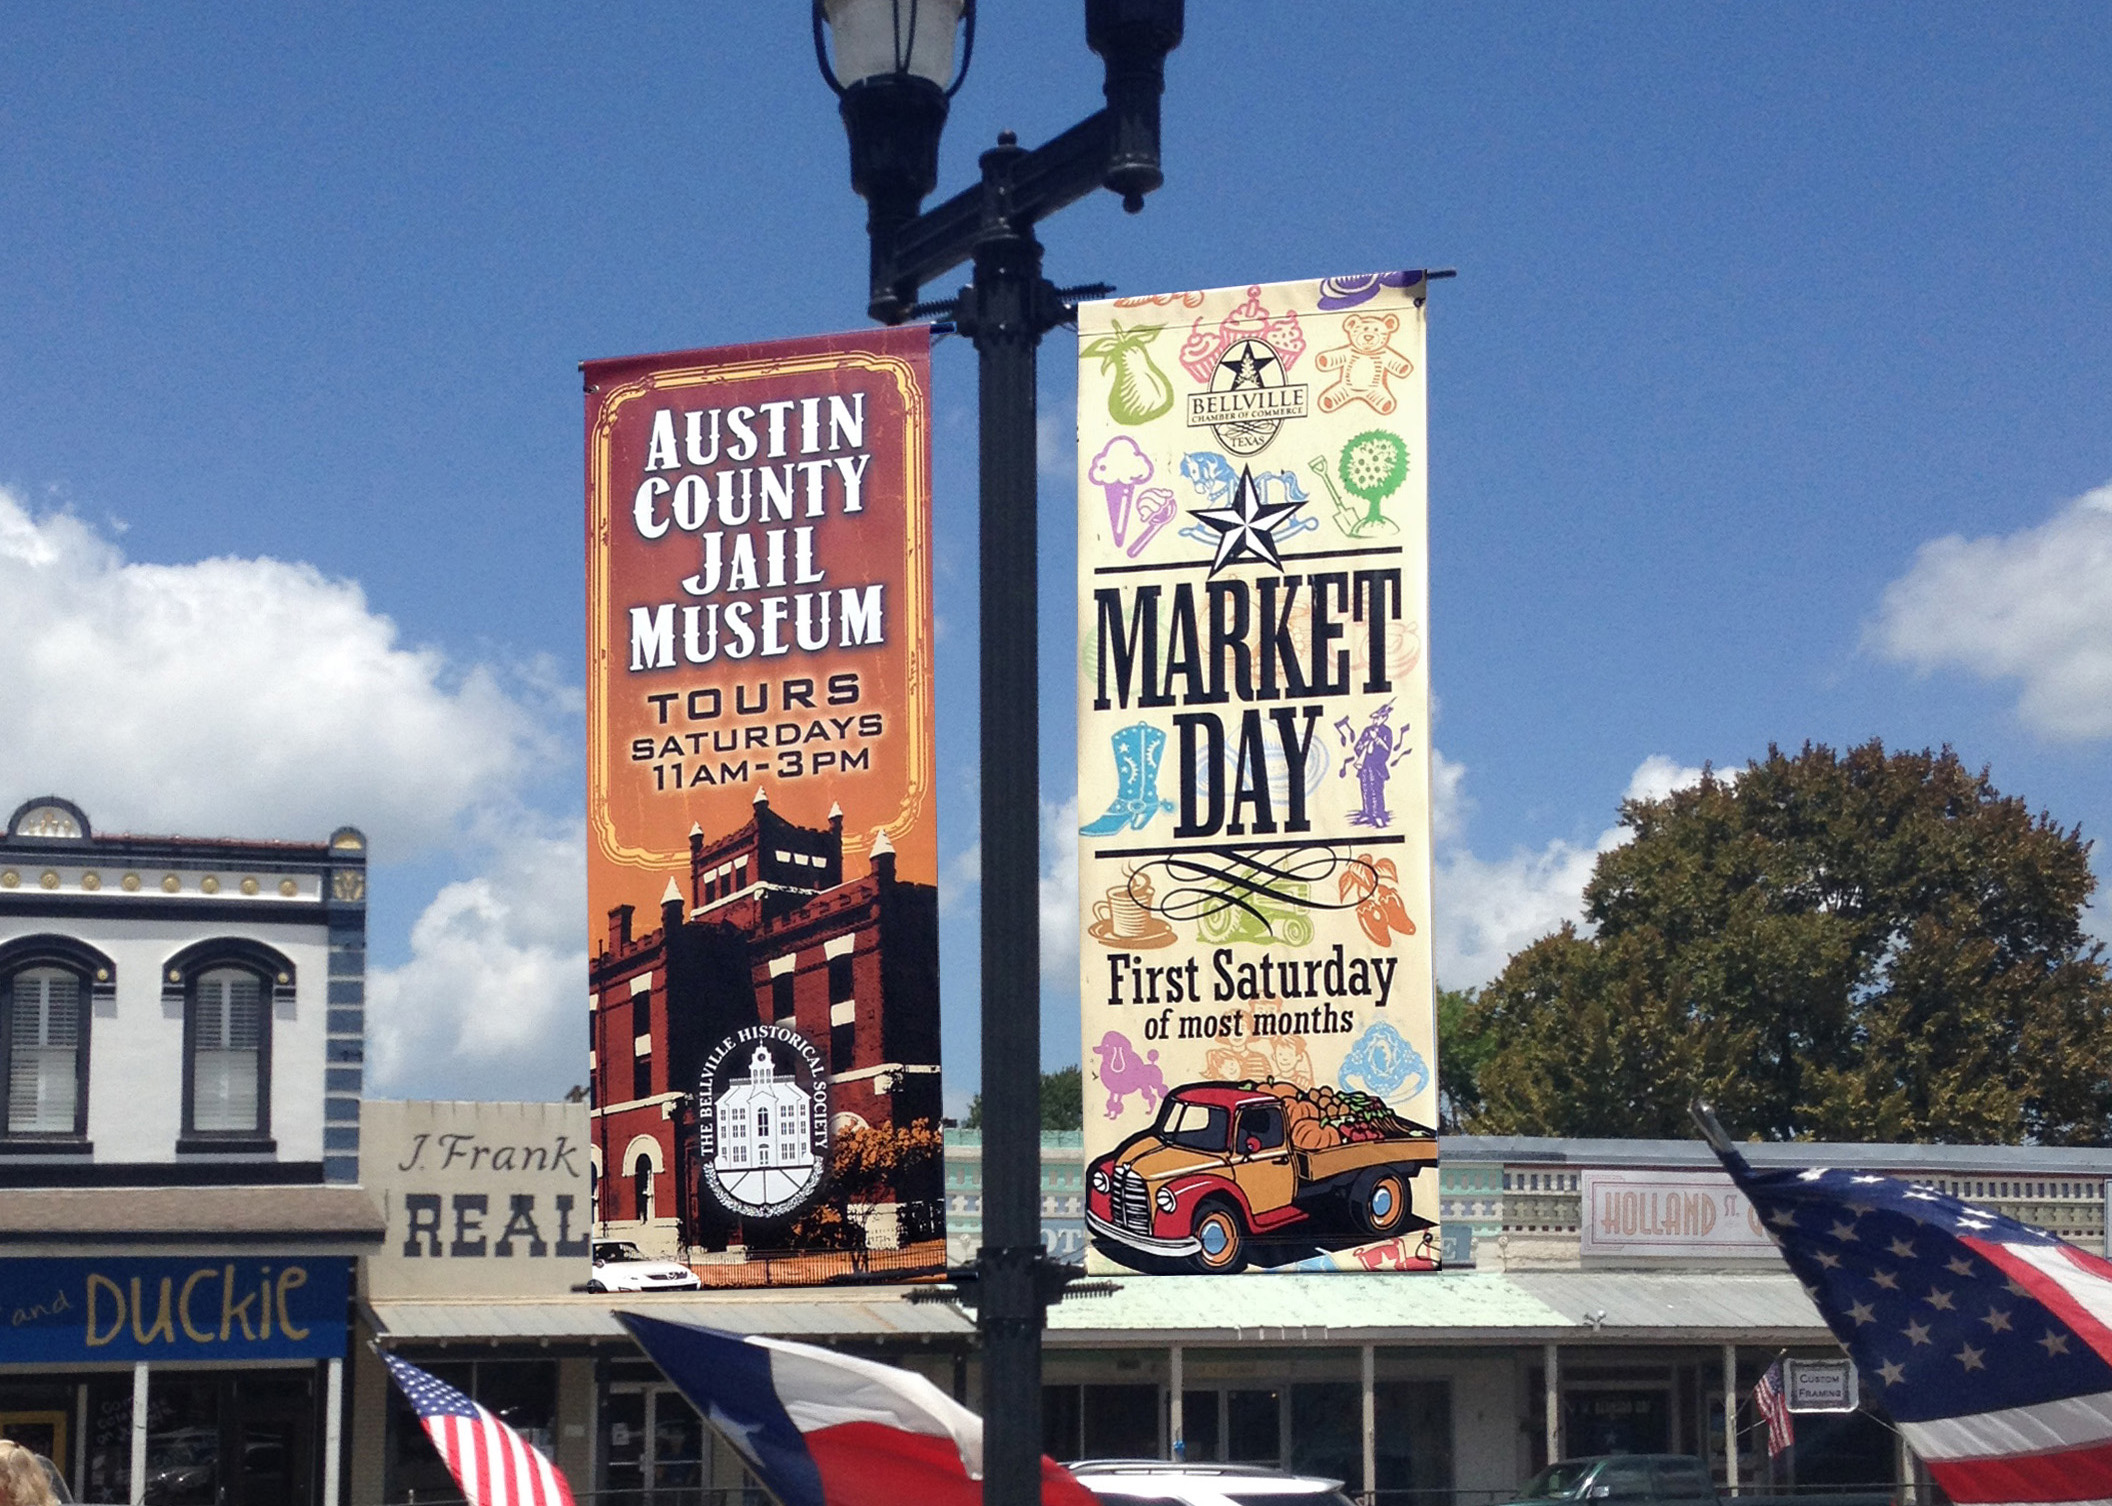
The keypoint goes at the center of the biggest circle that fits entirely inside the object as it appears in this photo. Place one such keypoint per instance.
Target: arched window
(50, 987)
(229, 988)
(44, 1043)
(642, 1187)
(227, 1048)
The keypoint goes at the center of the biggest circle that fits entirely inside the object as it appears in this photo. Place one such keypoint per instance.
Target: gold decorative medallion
(209, 885)
(91, 881)
(170, 883)
(250, 886)
(130, 883)
(49, 878)
(10, 879)
(289, 888)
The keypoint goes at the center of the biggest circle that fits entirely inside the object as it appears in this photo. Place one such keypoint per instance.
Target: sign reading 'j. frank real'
(1254, 773)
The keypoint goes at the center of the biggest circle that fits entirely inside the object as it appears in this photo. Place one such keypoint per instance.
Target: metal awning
(791, 1313)
(67, 1220)
(1439, 1308)
(1448, 1308)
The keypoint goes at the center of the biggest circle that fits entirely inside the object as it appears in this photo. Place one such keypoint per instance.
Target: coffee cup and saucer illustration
(1124, 917)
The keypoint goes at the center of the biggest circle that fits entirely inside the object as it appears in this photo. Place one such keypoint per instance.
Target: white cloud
(1059, 893)
(2033, 606)
(1658, 776)
(1489, 908)
(492, 1002)
(1449, 803)
(246, 696)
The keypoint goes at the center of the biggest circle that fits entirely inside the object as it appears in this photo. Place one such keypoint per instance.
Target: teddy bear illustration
(1367, 363)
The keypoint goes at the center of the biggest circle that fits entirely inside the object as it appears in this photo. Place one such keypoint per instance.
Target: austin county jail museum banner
(762, 858)
(1254, 779)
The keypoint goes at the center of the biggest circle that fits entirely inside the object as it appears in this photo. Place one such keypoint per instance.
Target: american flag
(1772, 1403)
(1988, 1341)
(492, 1463)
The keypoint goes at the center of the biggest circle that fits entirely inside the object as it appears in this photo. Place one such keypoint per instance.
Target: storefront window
(1327, 1430)
(1615, 1422)
(1120, 1422)
(656, 1451)
(1414, 1426)
(214, 1438)
(1253, 1427)
(1199, 1429)
(39, 1416)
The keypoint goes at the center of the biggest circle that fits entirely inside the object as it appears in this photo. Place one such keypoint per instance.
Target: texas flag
(824, 1429)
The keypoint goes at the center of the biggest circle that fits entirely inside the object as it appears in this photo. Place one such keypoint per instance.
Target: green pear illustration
(1140, 391)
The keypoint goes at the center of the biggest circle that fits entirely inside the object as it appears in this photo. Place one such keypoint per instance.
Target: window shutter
(43, 1053)
(227, 1055)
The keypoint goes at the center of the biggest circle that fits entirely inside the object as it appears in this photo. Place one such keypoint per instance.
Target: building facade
(182, 1034)
(764, 928)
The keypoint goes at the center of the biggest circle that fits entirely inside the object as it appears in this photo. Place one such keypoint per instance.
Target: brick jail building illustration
(765, 928)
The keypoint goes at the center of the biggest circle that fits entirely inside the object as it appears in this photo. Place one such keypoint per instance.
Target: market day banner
(1254, 779)
(762, 852)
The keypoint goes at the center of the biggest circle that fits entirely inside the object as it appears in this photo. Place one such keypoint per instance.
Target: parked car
(1666, 1479)
(1155, 1482)
(620, 1266)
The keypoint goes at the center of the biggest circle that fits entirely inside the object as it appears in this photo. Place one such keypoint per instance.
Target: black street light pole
(894, 115)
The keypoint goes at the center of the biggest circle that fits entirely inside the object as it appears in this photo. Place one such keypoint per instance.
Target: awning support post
(1176, 1419)
(1730, 1417)
(333, 1429)
(1369, 1366)
(138, 1493)
(1551, 1378)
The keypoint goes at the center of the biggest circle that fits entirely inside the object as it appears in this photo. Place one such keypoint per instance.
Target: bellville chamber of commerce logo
(763, 1120)
(1244, 362)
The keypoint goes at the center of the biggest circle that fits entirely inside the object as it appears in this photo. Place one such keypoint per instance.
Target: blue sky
(1768, 405)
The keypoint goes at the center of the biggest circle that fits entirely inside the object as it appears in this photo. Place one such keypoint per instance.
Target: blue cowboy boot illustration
(1138, 750)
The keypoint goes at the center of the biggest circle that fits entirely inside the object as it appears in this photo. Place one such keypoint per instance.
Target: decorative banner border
(1254, 779)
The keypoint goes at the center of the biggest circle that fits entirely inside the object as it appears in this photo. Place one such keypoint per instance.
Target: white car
(619, 1266)
(1155, 1482)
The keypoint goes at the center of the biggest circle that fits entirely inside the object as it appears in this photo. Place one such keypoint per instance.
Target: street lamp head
(1133, 38)
(877, 38)
(893, 72)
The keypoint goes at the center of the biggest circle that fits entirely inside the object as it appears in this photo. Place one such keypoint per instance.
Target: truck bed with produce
(1227, 1164)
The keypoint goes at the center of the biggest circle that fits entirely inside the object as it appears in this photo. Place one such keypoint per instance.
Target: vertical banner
(1254, 778)
(761, 856)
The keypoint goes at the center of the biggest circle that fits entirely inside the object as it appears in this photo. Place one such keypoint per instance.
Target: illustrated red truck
(1228, 1163)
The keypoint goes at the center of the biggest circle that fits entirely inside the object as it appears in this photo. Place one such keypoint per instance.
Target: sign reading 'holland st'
(1253, 766)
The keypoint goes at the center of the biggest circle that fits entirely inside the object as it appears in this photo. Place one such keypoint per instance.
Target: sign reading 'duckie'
(1253, 766)
(760, 799)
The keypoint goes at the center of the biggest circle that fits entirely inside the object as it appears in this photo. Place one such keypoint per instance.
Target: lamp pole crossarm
(1034, 185)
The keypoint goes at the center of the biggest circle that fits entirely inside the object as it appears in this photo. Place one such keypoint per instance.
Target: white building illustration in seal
(765, 1142)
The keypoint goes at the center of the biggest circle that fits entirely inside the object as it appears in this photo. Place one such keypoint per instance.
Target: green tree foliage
(1858, 946)
(1462, 1049)
(1062, 1101)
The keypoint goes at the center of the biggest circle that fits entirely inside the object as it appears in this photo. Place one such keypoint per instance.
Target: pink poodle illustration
(1122, 1073)
(1118, 470)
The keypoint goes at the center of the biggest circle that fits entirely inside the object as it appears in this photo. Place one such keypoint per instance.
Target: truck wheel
(1382, 1202)
(1223, 1238)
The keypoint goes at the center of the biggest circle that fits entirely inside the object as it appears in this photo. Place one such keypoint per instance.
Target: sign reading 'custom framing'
(1254, 770)
(760, 758)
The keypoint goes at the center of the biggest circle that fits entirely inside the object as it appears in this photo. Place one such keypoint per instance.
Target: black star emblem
(1246, 529)
(1248, 364)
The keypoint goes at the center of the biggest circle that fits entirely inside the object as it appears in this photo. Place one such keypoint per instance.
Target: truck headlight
(1099, 1180)
(1165, 1200)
